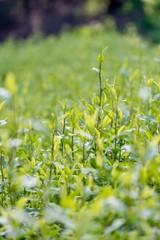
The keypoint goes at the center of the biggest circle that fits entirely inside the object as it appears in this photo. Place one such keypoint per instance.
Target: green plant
(88, 171)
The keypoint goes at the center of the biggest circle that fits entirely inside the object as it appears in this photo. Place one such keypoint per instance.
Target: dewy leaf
(15, 142)
(87, 171)
(85, 135)
(55, 213)
(29, 181)
(147, 118)
(115, 204)
(115, 225)
(152, 150)
(145, 93)
(3, 122)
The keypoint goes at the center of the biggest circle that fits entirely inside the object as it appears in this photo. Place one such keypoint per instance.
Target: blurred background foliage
(20, 18)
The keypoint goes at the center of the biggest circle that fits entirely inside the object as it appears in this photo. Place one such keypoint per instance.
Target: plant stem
(83, 151)
(63, 132)
(100, 94)
(72, 140)
(52, 153)
(2, 176)
(100, 84)
(10, 177)
(115, 130)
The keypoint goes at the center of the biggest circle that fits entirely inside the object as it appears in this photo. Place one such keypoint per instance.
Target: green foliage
(88, 170)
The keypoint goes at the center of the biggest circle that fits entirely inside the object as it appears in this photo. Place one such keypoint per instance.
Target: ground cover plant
(87, 169)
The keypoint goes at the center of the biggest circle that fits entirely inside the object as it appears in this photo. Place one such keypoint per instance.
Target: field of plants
(80, 137)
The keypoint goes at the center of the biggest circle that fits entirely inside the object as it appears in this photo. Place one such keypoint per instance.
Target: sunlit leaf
(10, 83)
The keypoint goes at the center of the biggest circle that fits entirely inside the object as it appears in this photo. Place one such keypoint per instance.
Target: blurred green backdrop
(21, 18)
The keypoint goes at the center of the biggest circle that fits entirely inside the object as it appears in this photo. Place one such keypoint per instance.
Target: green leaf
(106, 121)
(2, 105)
(100, 58)
(10, 83)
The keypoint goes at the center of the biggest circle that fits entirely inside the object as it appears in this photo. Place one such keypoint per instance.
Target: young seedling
(101, 87)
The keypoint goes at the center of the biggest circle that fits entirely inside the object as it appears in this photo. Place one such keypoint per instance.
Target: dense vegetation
(79, 152)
